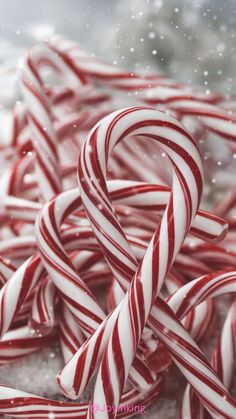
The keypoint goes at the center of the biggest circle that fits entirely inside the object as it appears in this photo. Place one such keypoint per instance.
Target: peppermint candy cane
(16, 403)
(182, 302)
(103, 138)
(148, 89)
(84, 63)
(186, 298)
(141, 245)
(138, 195)
(213, 117)
(20, 342)
(73, 290)
(213, 254)
(181, 99)
(191, 295)
(6, 270)
(89, 174)
(57, 210)
(12, 179)
(207, 286)
(23, 280)
(18, 286)
(224, 366)
(42, 316)
(192, 363)
(16, 290)
(176, 95)
(71, 337)
(18, 123)
(18, 247)
(41, 122)
(199, 321)
(69, 378)
(134, 194)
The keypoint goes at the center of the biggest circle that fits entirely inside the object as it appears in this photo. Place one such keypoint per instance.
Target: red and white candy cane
(20, 342)
(6, 270)
(182, 302)
(12, 178)
(192, 363)
(135, 194)
(165, 244)
(198, 320)
(17, 403)
(151, 89)
(196, 105)
(212, 254)
(223, 365)
(69, 379)
(71, 337)
(42, 316)
(41, 122)
(16, 290)
(75, 293)
(111, 358)
(179, 98)
(213, 117)
(83, 64)
(18, 122)
(22, 281)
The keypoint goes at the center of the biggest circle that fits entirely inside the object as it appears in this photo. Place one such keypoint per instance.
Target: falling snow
(193, 41)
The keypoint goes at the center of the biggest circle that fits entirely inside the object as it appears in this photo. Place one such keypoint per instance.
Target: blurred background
(191, 40)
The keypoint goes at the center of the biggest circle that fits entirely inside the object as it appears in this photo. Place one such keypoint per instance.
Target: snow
(35, 373)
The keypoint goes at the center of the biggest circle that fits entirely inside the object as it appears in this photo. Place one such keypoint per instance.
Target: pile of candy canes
(103, 244)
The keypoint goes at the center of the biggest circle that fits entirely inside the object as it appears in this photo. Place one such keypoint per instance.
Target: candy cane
(194, 293)
(17, 289)
(192, 363)
(18, 122)
(6, 270)
(216, 120)
(135, 194)
(159, 127)
(39, 407)
(83, 64)
(212, 254)
(224, 366)
(71, 337)
(72, 386)
(20, 342)
(55, 210)
(41, 122)
(74, 291)
(42, 313)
